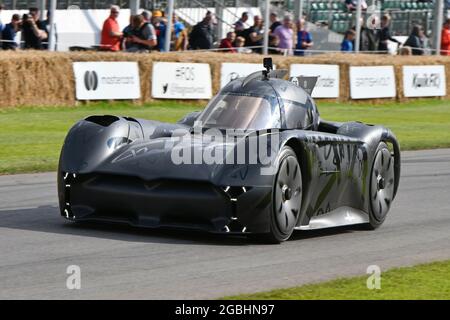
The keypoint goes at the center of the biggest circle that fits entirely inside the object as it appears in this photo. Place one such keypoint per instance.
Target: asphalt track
(37, 245)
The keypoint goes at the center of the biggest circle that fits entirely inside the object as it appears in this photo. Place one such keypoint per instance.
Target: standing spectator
(368, 38)
(201, 36)
(147, 16)
(162, 33)
(274, 22)
(179, 39)
(179, 34)
(304, 38)
(415, 41)
(347, 43)
(126, 33)
(111, 35)
(239, 26)
(46, 25)
(160, 28)
(143, 37)
(285, 35)
(255, 35)
(8, 33)
(445, 39)
(33, 31)
(385, 34)
(228, 43)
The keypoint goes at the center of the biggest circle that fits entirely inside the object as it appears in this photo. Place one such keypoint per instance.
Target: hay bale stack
(46, 78)
(35, 79)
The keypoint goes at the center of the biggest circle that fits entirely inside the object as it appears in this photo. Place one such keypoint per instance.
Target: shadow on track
(47, 219)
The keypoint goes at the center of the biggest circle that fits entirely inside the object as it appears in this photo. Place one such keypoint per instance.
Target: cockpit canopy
(236, 111)
(260, 104)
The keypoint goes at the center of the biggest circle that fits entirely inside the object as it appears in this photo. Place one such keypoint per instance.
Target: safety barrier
(44, 78)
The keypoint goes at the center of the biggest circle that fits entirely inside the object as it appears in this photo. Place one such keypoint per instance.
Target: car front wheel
(286, 198)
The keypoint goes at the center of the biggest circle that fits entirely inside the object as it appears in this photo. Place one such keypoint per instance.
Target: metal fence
(105, 4)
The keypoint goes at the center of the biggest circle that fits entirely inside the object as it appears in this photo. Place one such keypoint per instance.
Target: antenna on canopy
(268, 64)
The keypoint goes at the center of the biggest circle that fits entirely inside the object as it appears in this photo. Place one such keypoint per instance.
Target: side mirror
(189, 119)
(307, 83)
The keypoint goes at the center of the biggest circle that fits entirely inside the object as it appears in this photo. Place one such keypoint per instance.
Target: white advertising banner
(327, 85)
(424, 81)
(173, 80)
(372, 82)
(232, 71)
(106, 80)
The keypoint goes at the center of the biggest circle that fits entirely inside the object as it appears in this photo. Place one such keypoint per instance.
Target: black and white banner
(327, 85)
(173, 80)
(106, 80)
(372, 82)
(424, 81)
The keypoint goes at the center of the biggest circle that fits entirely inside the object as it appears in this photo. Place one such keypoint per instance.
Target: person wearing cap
(111, 34)
(160, 28)
(157, 14)
(147, 15)
(8, 33)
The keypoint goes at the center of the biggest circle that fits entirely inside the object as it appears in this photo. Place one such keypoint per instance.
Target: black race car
(258, 161)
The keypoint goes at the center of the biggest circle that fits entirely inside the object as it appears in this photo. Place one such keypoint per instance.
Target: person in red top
(445, 39)
(228, 43)
(111, 35)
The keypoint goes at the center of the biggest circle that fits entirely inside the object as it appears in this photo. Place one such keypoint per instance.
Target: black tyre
(381, 186)
(286, 198)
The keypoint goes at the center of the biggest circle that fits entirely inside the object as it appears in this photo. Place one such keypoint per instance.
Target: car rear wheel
(381, 186)
(286, 198)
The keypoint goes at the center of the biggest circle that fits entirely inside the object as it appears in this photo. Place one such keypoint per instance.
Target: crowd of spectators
(285, 37)
(34, 32)
(376, 39)
(146, 32)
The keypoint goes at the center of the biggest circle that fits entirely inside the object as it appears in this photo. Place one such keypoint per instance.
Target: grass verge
(31, 137)
(426, 281)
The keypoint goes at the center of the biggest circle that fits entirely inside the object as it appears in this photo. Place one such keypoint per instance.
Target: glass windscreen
(298, 116)
(231, 111)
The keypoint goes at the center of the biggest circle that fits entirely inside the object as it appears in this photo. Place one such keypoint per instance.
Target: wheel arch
(300, 151)
(389, 138)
